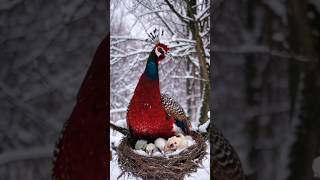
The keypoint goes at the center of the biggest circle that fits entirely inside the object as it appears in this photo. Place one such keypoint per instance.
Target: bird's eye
(161, 50)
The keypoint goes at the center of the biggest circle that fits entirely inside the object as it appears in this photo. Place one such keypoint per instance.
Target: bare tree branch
(122, 130)
(175, 11)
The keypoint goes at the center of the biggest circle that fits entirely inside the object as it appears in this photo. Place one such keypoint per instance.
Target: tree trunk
(204, 69)
(307, 145)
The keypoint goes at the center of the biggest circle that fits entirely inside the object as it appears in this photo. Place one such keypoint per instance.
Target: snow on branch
(127, 38)
(153, 12)
(261, 49)
(118, 110)
(203, 14)
(125, 55)
(122, 130)
(179, 47)
(182, 18)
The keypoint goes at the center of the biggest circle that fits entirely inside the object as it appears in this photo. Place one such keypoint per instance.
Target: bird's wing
(175, 110)
(225, 159)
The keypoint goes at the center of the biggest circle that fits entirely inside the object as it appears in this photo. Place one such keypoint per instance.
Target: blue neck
(152, 67)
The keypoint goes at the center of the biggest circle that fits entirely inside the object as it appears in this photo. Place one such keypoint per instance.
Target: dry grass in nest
(173, 168)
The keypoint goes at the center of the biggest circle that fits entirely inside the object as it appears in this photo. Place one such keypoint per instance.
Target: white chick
(160, 143)
(141, 145)
(150, 148)
(176, 142)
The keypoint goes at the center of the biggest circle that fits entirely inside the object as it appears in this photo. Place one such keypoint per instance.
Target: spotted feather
(225, 161)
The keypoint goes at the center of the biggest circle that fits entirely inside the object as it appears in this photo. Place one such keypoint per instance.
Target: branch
(32, 113)
(118, 110)
(122, 130)
(26, 154)
(199, 15)
(175, 11)
(261, 49)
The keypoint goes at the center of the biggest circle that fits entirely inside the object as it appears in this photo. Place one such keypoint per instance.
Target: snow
(203, 172)
(115, 137)
(194, 125)
(129, 50)
(203, 127)
(190, 140)
(122, 123)
(204, 14)
(118, 110)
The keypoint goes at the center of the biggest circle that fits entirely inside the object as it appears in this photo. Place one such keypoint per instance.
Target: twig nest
(174, 167)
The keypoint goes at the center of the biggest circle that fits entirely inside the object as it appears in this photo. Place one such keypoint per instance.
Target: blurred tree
(45, 48)
(265, 56)
(304, 41)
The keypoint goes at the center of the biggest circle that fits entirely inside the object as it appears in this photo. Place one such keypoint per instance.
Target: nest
(174, 167)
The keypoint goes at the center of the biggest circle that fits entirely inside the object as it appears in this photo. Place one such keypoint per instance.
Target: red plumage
(146, 116)
(81, 153)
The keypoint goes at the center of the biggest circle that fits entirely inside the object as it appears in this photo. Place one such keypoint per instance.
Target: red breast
(146, 117)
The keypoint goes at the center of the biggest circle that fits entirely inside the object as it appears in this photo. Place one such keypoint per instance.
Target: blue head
(158, 54)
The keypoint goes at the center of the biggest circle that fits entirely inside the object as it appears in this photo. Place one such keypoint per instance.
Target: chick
(176, 142)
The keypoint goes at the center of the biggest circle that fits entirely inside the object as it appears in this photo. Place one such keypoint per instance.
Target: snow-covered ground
(203, 173)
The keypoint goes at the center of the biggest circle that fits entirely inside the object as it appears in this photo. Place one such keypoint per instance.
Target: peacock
(150, 114)
(81, 151)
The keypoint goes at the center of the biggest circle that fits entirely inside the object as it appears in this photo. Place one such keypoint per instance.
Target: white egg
(150, 147)
(160, 143)
(141, 144)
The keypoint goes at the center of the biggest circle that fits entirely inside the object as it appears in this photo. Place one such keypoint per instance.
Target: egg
(141, 145)
(150, 148)
(160, 143)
